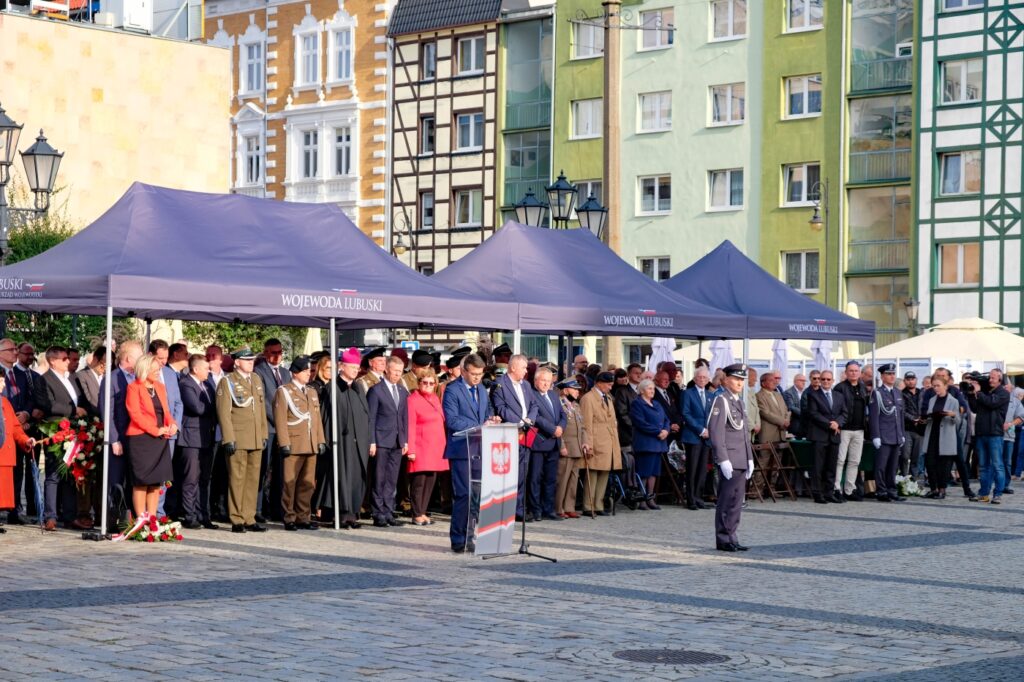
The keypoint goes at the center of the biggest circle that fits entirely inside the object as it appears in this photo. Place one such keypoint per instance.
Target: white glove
(877, 442)
(726, 467)
(902, 441)
(750, 468)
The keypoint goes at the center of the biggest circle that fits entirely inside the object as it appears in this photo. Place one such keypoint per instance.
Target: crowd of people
(246, 438)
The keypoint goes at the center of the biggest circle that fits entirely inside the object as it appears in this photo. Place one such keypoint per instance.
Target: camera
(977, 376)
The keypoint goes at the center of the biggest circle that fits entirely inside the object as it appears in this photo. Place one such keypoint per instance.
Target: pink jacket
(426, 433)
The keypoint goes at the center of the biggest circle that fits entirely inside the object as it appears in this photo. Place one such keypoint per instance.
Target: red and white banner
(499, 482)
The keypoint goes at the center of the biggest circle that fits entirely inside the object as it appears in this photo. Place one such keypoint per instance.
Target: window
(309, 59)
(426, 210)
(728, 19)
(471, 131)
(469, 208)
(427, 129)
(342, 62)
(656, 194)
(961, 172)
(471, 56)
(655, 111)
(587, 40)
(728, 104)
(959, 264)
(725, 189)
(658, 30)
(252, 67)
(343, 151)
(801, 181)
(961, 81)
(527, 164)
(657, 268)
(587, 188)
(951, 5)
(880, 299)
(310, 153)
(428, 61)
(253, 160)
(803, 96)
(801, 270)
(425, 269)
(587, 117)
(805, 14)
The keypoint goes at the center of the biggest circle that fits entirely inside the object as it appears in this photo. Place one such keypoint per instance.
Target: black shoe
(740, 548)
(933, 495)
(353, 525)
(256, 528)
(942, 495)
(701, 505)
(394, 522)
(883, 498)
(210, 525)
(237, 528)
(308, 525)
(519, 518)
(380, 523)
(837, 498)
(459, 549)
(260, 519)
(968, 493)
(851, 497)
(1007, 491)
(602, 513)
(191, 525)
(290, 526)
(898, 499)
(15, 520)
(692, 507)
(553, 517)
(818, 499)
(726, 547)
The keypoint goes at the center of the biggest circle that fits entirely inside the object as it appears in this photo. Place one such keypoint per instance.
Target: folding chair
(672, 467)
(784, 462)
(759, 479)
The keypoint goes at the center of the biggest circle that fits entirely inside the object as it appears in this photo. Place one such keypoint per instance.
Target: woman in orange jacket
(149, 429)
(12, 436)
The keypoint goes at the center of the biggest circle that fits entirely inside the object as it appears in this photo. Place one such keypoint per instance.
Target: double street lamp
(561, 201)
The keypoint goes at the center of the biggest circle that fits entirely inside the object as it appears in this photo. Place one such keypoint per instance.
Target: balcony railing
(889, 164)
(526, 116)
(882, 74)
(873, 256)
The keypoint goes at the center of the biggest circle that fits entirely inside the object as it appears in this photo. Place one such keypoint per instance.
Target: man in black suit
(389, 439)
(119, 474)
(825, 408)
(669, 401)
(193, 460)
(274, 375)
(87, 382)
(515, 402)
(57, 398)
(18, 392)
(546, 449)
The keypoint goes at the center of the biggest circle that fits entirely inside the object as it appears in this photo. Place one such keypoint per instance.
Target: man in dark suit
(697, 401)
(465, 406)
(669, 401)
(119, 474)
(274, 375)
(57, 398)
(544, 455)
(389, 439)
(825, 408)
(87, 381)
(193, 459)
(18, 392)
(515, 403)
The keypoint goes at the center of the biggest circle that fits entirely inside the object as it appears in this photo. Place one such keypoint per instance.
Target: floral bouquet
(907, 486)
(150, 529)
(75, 443)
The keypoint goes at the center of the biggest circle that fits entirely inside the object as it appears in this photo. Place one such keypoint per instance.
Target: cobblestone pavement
(925, 590)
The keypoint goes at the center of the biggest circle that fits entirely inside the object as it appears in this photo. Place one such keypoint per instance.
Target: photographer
(989, 402)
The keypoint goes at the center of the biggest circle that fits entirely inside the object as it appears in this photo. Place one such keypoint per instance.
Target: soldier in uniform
(885, 415)
(374, 362)
(421, 362)
(300, 438)
(730, 442)
(242, 415)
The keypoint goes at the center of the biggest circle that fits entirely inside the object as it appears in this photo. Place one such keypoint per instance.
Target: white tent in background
(969, 338)
(780, 360)
(721, 354)
(822, 355)
(759, 351)
(661, 351)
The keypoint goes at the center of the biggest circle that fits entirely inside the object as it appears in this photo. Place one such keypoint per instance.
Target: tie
(277, 375)
(472, 394)
(605, 396)
(394, 392)
(12, 384)
(547, 399)
(828, 397)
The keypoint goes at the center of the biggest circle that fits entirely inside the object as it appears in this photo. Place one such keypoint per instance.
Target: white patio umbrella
(661, 351)
(314, 342)
(721, 354)
(780, 360)
(822, 355)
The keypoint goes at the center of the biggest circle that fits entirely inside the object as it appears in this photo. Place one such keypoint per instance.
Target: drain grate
(670, 656)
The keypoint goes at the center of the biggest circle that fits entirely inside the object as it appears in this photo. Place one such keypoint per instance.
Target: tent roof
(567, 281)
(726, 279)
(168, 253)
(962, 339)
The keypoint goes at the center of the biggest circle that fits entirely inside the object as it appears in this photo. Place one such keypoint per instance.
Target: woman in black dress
(149, 429)
(940, 439)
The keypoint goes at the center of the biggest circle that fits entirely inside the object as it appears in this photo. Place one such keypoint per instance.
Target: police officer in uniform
(734, 457)
(241, 411)
(300, 438)
(885, 413)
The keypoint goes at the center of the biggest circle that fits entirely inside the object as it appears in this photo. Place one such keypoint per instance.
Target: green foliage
(231, 336)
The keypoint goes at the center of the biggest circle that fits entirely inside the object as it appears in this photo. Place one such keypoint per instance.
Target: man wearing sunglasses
(824, 423)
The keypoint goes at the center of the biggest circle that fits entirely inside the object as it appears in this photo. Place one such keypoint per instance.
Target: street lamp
(592, 216)
(913, 307)
(820, 189)
(530, 211)
(41, 164)
(402, 228)
(562, 200)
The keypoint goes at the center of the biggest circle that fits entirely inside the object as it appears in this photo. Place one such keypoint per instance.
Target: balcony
(878, 256)
(882, 74)
(879, 166)
(250, 191)
(528, 115)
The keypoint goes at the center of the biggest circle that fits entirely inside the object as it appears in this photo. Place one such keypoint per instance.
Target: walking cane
(590, 485)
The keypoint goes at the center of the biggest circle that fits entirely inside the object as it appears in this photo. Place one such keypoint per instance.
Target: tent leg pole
(570, 357)
(517, 340)
(149, 332)
(874, 367)
(335, 481)
(746, 352)
(105, 479)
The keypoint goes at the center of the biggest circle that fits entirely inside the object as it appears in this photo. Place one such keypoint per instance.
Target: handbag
(528, 436)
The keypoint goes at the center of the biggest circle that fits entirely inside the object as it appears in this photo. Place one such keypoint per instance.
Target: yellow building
(122, 107)
(308, 101)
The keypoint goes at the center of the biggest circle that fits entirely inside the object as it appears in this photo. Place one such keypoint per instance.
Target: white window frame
(308, 27)
(476, 131)
(968, 5)
(962, 191)
(423, 135)
(593, 107)
(665, 31)
(341, 40)
(656, 179)
(807, 26)
(805, 189)
(478, 54)
(248, 64)
(713, 207)
(803, 288)
(584, 188)
(790, 116)
(661, 125)
(428, 55)
(962, 65)
(345, 148)
(959, 283)
(589, 35)
(730, 96)
(473, 195)
(423, 210)
(247, 157)
(656, 262)
(732, 35)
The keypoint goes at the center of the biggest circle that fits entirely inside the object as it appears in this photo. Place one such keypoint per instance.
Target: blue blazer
(119, 420)
(460, 413)
(506, 404)
(389, 426)
(199, 421)
(23, 401)
(174, 403)
(648, 421)
(696, 409)
(547, 422)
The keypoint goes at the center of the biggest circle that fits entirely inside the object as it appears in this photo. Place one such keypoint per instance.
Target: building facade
(309, 101)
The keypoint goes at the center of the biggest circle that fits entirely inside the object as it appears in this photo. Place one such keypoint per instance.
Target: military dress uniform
(730, 442)
(300, 437)
(241, 412)
(885, 414)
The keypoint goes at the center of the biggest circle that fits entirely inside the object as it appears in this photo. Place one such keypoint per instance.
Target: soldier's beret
(888, 368)
(568, 383)
(605, 378)
(422, 358)
(503, 349)
(371, 353)
(299, 364)
(738, 370)
(243, 354)
(461, 352)
(453, 361)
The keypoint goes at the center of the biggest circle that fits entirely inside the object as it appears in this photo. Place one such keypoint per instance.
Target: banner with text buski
(499, 483)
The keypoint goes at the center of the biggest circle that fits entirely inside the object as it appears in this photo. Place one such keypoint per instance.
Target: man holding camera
(989, 402)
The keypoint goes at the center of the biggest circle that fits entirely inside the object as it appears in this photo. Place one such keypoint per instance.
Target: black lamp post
(41, 164)
(401, 228)
(593, 216)
(913, 307)
(817, 224)
(562, 200)
(530, 211)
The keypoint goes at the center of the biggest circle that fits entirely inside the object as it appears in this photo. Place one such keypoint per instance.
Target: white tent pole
(517, 339)
(106, 422)
(335, 483)
(874, 367)
(746, 352)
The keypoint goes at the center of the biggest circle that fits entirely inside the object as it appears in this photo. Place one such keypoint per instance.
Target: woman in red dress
(426, 445)
(12, 436)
